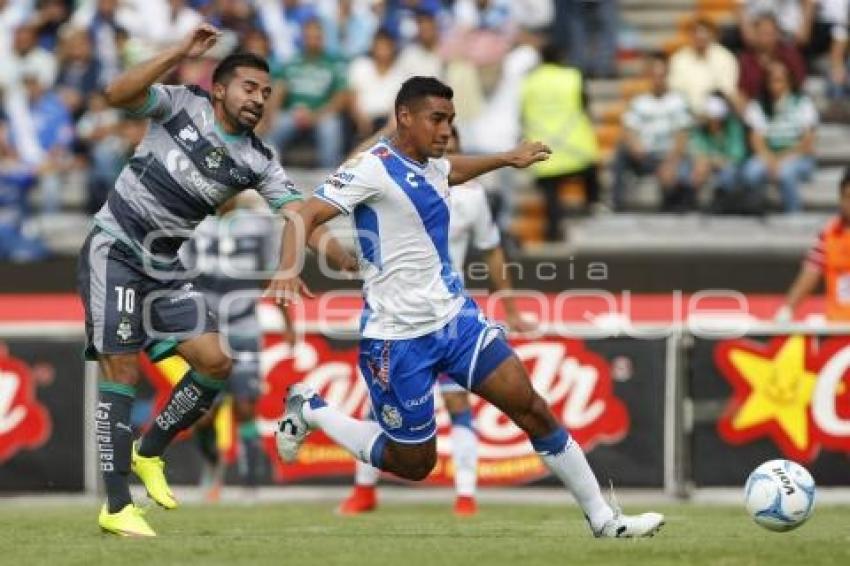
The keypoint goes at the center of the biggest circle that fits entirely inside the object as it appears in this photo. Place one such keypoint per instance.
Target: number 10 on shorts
(126, 299)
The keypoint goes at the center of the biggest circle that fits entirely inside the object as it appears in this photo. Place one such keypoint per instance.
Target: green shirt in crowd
(729, 143)
(313, 81)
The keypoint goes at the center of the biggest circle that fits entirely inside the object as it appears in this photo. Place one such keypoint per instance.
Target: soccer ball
(780, 495)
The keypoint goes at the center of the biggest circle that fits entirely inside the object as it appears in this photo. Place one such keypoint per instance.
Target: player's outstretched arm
(286, 286)
(129, 90)
(804, 285)
(323, 242)
(466, 167)
(500, 280)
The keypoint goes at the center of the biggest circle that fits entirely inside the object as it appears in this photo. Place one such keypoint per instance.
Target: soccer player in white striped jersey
(418, 322)
(470, 223)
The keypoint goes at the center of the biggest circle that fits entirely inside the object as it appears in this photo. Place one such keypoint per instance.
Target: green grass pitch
(307, 534)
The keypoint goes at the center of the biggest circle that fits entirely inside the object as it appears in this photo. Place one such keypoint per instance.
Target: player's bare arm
(467, 167)
(129, 90)
(500, 280)
(322, 242)
(286, 285)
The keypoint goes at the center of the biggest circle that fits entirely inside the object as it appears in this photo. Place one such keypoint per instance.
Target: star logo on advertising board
(785, 391)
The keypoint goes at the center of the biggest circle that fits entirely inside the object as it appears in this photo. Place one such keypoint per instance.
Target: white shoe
(292, 429)
(629, 526)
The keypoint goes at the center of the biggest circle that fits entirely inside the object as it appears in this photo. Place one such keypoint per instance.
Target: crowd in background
(724, 113)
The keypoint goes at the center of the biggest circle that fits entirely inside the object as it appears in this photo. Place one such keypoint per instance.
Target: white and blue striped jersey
(400, 210)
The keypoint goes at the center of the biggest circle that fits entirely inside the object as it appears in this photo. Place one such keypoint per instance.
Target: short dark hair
(415, 89)
(845, 181)
(551, 52)
(227, 67)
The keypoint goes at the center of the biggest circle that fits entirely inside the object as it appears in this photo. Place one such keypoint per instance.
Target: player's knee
(456, 403)
(123, 369)
(421, 468)
(216, 365)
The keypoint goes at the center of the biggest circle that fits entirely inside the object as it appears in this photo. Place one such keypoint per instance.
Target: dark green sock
(206, 439)
(114, 438)
(190, 399)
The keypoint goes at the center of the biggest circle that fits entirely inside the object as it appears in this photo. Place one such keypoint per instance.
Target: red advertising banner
(576, 382)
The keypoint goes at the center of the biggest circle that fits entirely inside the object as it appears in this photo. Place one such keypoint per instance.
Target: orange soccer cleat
(465, 506)
(362, 500)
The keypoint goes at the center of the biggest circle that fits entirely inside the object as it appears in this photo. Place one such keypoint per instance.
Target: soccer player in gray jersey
(198, 152)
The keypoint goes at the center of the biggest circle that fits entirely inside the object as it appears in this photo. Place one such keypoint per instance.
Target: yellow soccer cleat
(128, 522)
(152, 473)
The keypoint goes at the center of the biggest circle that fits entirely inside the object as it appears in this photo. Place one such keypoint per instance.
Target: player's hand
(287, 290)
(528, 153)
(519, 323)
(200, 40)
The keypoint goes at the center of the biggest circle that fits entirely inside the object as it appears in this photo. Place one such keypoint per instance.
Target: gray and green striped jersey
(185, 167)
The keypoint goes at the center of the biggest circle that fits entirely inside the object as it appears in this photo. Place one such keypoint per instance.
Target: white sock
(571, 467)
(366, 475)
(465, 458)
(356, 436)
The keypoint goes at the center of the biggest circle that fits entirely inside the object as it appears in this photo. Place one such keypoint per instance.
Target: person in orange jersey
(829, 259)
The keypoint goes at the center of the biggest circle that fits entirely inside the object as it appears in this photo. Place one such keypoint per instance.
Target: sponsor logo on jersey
(214, 157)
(189, 134)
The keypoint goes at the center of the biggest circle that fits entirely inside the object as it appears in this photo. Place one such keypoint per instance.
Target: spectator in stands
(16, 181)
(782, 124)
(41, 134)
(47, 20)
(26, 53)
(832, 29)
(655, 138)
(789, 15)
(422, 56)
(104, 29)
(828, 258)
(13, 13)
(374, 82)
(284, 23)
(718, 148)
(592, 35)
(398, 17)
(555, 110)
(238, 16)
(703, 67)
(484, 14)
(314, 94)
(179, 19)
(767, 46)
(349, 28)
(80, 74)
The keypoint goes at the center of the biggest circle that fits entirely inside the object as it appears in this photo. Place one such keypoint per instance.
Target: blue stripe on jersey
(178, 201)
(365, 315)
(432, 210)
(366, 222)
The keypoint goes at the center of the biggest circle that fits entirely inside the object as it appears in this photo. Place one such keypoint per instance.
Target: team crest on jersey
(391, 417)
(125, 329)
(381, 152)
(214, 157)
(189, 134)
